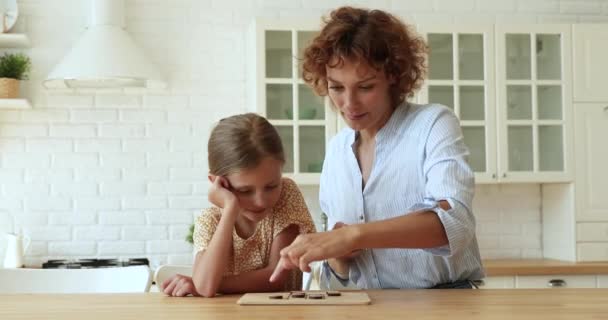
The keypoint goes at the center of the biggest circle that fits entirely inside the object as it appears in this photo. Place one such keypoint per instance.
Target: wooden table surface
(386, 304)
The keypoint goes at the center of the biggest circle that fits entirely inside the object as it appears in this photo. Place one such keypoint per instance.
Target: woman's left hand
(307, 248)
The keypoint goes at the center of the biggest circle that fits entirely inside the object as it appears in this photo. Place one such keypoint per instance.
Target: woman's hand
(179, 286)
(219, 192)
(307, 248)
(351, 255)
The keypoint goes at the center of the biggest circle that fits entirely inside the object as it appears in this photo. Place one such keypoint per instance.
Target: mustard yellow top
(254, 252)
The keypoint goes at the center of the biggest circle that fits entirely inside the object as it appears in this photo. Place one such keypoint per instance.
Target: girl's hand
(219, 193)
(179, 286)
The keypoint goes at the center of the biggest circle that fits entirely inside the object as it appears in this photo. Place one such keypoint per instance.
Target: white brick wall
(122, 172)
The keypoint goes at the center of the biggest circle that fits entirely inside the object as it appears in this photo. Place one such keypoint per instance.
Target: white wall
(121, 173)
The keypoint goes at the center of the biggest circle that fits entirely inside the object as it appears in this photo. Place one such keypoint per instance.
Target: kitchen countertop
(511, 267)
(386, 304)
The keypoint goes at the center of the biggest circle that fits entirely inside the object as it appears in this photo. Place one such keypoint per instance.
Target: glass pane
(304, 39)
(472, 103)
(279, 101)
(440, 56)
(278, 54)
(549, 102)
(286, 134)
(475, 139)
(443, 95)
(520, 148)
(519, 102)
(550, 148)
(518, 56)
(310, 105)
(312, 148)
(548, 56)
(470, 60)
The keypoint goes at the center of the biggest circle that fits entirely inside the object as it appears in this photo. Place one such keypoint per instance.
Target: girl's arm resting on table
(210, 264)
(257, 280)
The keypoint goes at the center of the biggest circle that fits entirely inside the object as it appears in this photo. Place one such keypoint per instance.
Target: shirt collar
(390, 128)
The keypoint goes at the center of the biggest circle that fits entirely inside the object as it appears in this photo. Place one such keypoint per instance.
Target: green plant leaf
(15, 66)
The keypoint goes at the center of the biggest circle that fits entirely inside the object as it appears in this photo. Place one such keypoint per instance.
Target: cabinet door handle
(504, 175)
(479, 283)
(606, 108)
(556, 283)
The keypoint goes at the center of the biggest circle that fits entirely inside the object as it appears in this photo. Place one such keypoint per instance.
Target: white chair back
(166, 271)
(97, 280)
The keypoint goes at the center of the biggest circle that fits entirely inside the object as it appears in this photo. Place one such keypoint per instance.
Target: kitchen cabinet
(590, 50)
(500, 282)
(591, 181)
(304, 121)
(510, 88)
(461, 77)
(543, 282)
(9, 41)
(555, 281)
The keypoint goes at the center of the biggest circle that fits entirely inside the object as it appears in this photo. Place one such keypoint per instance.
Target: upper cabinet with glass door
(534, 103)
(301, 118)
(461, 77)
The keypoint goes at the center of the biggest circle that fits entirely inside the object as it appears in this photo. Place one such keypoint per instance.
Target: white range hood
(105, 56)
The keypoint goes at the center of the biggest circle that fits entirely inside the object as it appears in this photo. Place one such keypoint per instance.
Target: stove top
(94, 263)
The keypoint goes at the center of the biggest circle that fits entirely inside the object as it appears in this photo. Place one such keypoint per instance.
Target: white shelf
(14, 40)
(15, 104)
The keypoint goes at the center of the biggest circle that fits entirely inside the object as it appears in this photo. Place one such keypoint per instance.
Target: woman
(395, 184)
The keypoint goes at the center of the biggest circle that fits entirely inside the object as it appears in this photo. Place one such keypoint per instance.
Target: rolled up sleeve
(449, 177)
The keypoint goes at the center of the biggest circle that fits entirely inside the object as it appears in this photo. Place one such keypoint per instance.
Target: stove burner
(94, 263)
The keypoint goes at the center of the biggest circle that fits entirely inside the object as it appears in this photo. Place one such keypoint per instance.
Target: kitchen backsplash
(122, 173)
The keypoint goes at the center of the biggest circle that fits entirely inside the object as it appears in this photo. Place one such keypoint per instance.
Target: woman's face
(257, 189)
(361, 94)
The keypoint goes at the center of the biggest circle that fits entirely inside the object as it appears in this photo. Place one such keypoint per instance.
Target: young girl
(257, 213)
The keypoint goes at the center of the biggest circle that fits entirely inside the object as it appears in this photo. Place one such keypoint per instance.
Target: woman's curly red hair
(370, 36)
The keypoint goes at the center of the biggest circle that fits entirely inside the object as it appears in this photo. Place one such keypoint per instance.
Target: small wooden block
(298, 294)
(316, 296)
(333, 293)
(276, 296)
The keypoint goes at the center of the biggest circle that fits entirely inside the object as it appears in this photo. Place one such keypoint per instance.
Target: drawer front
(592, 251)
(597, 231)
(503, 282)
(556, 281)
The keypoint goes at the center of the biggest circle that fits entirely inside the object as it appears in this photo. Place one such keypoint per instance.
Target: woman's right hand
(179, 286)
(219, 192)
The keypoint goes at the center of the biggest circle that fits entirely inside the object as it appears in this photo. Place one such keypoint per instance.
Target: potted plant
(189, 237)
(13, 67)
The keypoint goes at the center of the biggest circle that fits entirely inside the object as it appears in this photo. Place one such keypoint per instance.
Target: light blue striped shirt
(420, 159)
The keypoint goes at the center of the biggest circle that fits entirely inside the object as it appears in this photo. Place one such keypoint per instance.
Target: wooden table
(386, 304)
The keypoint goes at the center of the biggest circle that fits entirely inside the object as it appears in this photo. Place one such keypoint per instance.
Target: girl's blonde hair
(241, 142)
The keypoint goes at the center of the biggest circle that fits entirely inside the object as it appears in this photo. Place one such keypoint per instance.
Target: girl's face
(257, 189)
(361, 94)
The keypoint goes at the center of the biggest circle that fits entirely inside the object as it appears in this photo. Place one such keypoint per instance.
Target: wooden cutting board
(305, 298)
